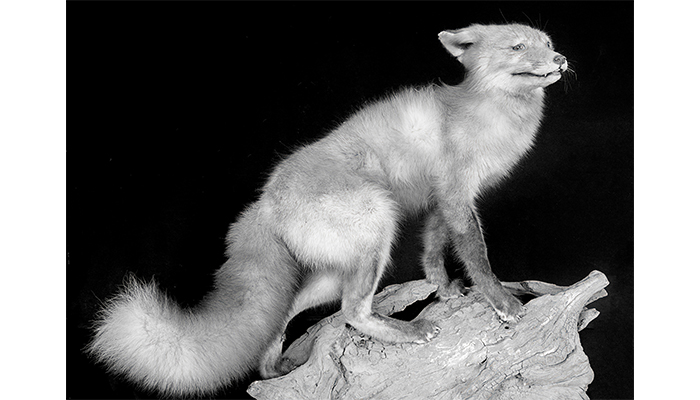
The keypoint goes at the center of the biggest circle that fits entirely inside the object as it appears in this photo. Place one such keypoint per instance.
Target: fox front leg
(436, 237)
(468, 241)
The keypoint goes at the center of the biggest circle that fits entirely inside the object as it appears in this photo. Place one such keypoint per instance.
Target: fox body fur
(324, 225)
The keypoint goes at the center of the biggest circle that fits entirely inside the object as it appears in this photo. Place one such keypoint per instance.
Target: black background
(177, 111)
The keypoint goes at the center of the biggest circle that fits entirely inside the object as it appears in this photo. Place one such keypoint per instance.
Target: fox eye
(549, 44)
(519, 47)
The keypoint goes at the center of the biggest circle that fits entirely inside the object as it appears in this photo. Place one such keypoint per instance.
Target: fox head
(513, 58)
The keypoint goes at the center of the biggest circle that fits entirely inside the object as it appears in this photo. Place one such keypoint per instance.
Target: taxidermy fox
(324, 225)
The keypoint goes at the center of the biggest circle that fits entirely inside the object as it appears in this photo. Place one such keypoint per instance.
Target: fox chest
(489, 154)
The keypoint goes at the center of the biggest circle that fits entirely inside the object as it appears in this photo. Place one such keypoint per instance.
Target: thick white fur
(329, 214)
(146, 337)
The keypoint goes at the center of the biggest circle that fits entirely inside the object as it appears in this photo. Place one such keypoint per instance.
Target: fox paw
(285, 365)
(425, 330)
(508, 308)
(271, 358)
(453, 290)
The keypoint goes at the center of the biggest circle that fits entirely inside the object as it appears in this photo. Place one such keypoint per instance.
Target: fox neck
(492, 128)
(520, 110)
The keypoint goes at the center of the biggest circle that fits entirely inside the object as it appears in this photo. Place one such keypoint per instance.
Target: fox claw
(428, 330)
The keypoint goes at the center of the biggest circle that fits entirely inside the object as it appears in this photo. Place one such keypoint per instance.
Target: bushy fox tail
(146, 337)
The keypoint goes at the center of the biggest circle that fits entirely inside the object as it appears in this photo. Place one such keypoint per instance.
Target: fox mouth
(548, 74)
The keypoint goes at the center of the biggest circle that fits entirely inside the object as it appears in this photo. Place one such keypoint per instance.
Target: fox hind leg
(358, 293)
(317, 289)
(371, 242)
(349, 231)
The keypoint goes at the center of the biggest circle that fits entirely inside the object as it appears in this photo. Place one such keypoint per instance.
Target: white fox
(324, 225)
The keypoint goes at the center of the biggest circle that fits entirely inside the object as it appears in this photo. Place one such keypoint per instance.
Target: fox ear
(457, 41)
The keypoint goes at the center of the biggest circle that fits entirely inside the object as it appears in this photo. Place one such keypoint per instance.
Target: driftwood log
(475, 356)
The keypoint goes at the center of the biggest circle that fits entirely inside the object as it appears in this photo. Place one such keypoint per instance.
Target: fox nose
(559, 59)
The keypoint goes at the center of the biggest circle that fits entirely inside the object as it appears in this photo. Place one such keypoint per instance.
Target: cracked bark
(475, 356)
